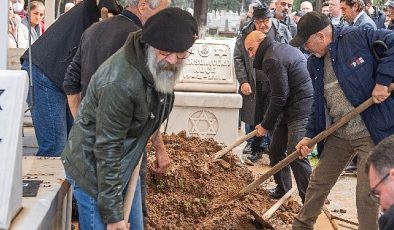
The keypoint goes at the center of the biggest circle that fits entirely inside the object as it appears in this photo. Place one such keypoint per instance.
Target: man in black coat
(50, 56)
(289, 106)
(380, 169)
(254, 87)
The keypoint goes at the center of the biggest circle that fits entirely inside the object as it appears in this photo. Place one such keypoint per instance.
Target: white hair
(153, 4)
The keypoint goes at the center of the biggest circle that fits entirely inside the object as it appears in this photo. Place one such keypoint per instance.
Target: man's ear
(391, 172)
(97, 2)
(142, 4)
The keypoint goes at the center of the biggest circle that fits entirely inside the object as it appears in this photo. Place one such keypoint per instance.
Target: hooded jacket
(119, 113)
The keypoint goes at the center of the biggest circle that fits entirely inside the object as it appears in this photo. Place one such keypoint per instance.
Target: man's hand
(73, 103)
(380, 93)
(302, 147)
(163, 161)
(261, 131)
(121, 225)
(245, 89)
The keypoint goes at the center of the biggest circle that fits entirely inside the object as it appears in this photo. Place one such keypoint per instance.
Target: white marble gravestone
(206, 115)
(206, 100)
(210, 68)
(13, 87)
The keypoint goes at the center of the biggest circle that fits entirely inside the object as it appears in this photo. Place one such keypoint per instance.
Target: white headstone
(210, 68)
(13, 86)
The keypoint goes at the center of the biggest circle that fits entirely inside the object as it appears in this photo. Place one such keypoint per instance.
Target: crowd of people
(19, 21)
(97, 100)
(350, 58)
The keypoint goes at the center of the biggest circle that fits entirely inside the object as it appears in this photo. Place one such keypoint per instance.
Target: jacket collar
(261, 51)
(128, 14)
(135, 51)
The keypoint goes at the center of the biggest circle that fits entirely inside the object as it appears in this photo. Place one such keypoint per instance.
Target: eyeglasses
(179, 55)
(375, 196)
(284, 4)
(262, 21)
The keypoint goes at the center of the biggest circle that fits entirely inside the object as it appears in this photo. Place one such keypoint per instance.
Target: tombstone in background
(206, 100)
(13, 88)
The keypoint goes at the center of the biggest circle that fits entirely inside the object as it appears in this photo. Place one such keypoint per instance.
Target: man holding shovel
(289, 106)
(344, 72)
(127, 99)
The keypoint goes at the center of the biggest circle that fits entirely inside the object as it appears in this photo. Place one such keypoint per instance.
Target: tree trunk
(318, 5)
(57, 8)
(200, 14)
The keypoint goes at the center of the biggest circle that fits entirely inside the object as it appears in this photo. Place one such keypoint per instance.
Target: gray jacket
(366, 21)
(244, 67)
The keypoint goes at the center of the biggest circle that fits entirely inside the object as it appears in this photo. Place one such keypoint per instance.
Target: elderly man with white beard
(127, 99)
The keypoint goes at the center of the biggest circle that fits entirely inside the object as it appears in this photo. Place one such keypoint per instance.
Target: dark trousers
(284, 139)
(263, 95)
(259, 144)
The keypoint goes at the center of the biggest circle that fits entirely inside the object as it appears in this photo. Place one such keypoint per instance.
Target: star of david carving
(203, 118)
(1, 92)
(220, 52)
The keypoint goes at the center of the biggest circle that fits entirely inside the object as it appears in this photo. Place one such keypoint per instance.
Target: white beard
(164, 73)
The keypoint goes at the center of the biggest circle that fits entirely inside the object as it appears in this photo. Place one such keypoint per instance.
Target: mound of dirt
(195, 193)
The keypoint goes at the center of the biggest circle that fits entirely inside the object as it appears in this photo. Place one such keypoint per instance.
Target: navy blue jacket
(358, 72)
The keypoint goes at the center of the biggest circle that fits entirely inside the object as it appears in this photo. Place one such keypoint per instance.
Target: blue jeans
(89, 215)
(52, 119)
(258, 143)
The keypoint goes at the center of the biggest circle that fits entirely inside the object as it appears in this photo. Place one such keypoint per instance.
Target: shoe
(255, 156)
(248, 148)
(351, 167)
(275, 193)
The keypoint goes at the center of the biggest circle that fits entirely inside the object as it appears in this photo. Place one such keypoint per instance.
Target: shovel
(321, 136)
(233, 145)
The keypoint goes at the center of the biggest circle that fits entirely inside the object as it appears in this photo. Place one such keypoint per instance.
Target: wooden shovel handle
(321, 136)
(234, 144)
(128, 201)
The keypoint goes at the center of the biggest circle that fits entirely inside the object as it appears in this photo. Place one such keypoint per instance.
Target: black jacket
(54, 49)
(245, 72)
(291, 86)
(378, 17)
(386, 221)
(95, 48)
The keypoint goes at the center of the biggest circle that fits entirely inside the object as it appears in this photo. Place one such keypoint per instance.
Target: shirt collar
(358, 16)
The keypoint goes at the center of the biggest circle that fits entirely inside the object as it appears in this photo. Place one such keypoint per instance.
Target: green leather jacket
(119, 113)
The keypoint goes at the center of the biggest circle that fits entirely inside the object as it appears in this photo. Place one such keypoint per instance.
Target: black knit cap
(172, 30)
(262, 11)
(310, 23)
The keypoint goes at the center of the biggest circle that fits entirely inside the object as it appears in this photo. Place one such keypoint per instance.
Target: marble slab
(206, 115)
(13, 85)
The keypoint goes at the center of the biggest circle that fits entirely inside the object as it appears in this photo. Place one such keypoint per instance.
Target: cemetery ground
(194, 193)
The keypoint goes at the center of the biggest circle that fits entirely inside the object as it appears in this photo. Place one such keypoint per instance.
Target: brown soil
(195, 193)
